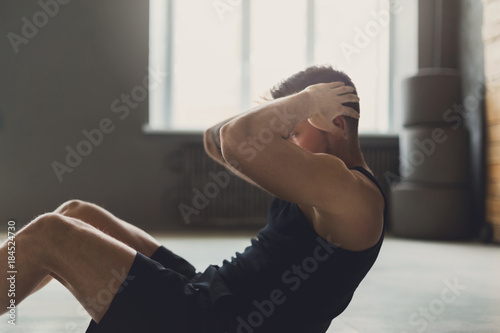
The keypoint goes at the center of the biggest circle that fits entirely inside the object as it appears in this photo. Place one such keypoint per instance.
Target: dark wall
(473, 89)
(63, 81)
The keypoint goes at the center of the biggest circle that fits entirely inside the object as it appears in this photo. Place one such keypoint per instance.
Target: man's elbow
(229, 138)
(207, 139)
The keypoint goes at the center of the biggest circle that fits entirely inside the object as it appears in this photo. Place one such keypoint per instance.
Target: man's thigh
(105, 221)
(90, 263)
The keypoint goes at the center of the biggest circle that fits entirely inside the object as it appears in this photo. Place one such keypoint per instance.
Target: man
(324, 232)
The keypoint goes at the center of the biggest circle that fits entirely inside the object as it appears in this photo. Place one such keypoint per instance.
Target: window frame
(159, 120)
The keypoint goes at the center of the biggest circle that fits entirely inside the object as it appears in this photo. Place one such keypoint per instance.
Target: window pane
(158, 60)
(206, 64)
(277, 42)
(355, 40)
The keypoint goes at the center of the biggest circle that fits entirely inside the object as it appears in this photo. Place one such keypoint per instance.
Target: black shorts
(164, 293)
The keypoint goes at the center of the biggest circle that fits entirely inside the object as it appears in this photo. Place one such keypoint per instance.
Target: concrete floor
(415, 286)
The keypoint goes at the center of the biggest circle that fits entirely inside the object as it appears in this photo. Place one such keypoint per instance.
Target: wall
(63, 81)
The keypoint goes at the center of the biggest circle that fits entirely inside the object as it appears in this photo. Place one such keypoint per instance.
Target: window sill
(366, 139)
(148, 130)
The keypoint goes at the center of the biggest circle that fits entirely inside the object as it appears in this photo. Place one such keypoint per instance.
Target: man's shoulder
(358, 222)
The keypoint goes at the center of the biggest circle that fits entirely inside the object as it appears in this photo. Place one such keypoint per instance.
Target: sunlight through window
(222, 56)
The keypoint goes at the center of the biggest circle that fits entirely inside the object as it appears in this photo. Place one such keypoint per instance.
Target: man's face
(309, 138)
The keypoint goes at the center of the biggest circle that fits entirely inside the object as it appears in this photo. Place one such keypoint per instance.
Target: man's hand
(327, 100)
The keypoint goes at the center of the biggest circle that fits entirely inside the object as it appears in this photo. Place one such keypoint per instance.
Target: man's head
(312, 75)
(300, 81)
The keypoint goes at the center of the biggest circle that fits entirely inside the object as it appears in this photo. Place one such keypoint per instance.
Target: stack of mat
(434, 199)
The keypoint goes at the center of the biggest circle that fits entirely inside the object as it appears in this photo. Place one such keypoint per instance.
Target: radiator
(205, 195)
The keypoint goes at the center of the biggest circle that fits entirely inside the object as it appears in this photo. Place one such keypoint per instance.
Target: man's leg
(91, 264)
(103, 220)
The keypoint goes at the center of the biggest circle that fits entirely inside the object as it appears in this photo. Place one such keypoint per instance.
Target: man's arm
(212, 144)
(257, 140)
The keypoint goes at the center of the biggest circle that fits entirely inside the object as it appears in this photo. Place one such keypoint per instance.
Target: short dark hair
(312, 75)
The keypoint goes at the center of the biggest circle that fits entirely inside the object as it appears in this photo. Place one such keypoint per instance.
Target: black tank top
(291, 279)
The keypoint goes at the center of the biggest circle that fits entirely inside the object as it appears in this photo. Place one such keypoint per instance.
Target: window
(222, 56)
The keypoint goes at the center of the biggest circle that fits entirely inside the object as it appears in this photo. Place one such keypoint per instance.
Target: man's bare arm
(212, 144)
(281, 167)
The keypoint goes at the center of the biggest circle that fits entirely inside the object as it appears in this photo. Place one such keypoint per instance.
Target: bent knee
(46, 227)
(48, 222)
(72, 207)
(55, 227)
(49, 235)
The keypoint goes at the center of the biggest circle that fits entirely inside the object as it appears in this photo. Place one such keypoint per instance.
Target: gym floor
(415, 286)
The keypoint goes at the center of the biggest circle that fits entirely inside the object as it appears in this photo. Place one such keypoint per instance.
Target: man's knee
(45, 229)
(49, 223)
(72, 207)
(49, 236)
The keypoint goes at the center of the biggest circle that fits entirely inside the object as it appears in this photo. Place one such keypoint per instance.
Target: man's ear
(339, 127)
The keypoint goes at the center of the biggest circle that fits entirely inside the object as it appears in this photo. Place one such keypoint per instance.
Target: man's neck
(351, 155)
(355, 161)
